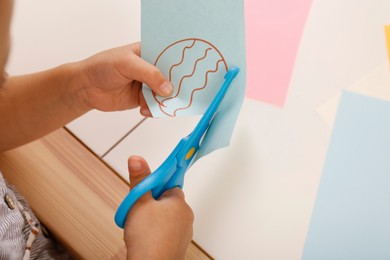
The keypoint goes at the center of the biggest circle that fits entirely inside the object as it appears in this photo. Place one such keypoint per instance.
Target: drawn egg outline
(194, 40)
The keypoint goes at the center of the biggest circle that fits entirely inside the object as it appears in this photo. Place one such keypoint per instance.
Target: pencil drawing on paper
(192, 65)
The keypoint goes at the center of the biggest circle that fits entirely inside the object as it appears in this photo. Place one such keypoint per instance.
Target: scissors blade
(193, 140)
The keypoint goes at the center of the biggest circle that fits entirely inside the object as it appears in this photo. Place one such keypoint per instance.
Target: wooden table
(74, 194)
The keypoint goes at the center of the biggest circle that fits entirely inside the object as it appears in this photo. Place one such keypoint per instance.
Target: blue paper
(351, 217)
(194, 43)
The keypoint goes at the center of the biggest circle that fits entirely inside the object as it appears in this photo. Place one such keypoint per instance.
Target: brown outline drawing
(161, 103)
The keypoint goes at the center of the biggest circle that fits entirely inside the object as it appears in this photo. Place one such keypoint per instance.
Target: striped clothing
(21, 234)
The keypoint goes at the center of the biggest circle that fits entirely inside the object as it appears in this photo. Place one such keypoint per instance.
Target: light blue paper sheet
(351, 217)
(194, 43)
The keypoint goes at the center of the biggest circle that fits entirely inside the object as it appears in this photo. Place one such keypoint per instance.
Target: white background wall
(47, 33)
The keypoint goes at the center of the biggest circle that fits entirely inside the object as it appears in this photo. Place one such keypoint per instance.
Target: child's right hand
(157, 229)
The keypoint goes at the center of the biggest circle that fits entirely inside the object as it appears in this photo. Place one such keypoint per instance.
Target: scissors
(171, 172)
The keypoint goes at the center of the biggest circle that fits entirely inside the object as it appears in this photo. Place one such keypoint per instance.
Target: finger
(132, 97)
(137, 86)
(138, 170)
(140, 70)
(175, 192)
(136, 48)
(144, 109)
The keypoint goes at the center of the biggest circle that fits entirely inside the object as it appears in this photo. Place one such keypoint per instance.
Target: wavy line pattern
(186, 76)
(182, 59)
(197, 89)
(189, 45)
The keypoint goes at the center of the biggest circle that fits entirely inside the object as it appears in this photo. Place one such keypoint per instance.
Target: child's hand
(157, 229)
(112, 80)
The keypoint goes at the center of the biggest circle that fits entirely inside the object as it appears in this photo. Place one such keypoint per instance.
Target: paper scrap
(351, 217)
(375, 84)
(194, 43)
(274, 30)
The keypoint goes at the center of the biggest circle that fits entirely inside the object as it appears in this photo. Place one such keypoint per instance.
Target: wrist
(74, 86)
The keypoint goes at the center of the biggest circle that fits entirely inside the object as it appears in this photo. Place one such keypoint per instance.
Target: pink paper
(273, 30)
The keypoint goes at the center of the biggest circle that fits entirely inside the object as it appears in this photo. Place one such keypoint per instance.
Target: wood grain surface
(74, 194)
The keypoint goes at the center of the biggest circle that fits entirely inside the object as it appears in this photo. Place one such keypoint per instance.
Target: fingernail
(135, 165)
(166, 88)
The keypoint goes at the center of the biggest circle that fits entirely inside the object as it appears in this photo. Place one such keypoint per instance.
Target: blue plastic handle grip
(155, 182)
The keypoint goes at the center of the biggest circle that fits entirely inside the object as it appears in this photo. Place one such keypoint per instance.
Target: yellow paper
(387, 31)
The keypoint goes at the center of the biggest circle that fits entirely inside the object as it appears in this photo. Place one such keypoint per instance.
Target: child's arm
(5, 22)
(36, 104)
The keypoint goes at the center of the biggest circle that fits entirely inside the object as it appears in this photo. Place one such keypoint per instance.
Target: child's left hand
(112, 80)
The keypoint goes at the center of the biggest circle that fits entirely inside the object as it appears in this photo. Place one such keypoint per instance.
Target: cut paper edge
(376, 84)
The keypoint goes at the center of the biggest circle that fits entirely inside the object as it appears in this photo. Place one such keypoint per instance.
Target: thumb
(145, 72)
(138, 170)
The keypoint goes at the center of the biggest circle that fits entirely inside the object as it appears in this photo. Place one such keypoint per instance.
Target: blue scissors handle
(171, 173)
(157, 182)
